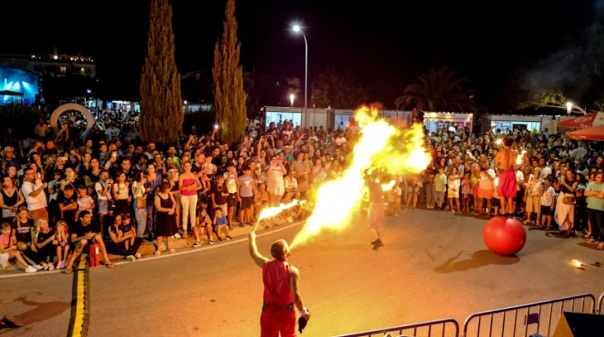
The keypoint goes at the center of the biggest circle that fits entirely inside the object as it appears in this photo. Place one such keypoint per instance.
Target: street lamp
(298, 29)
(291, 99)
(569, 107)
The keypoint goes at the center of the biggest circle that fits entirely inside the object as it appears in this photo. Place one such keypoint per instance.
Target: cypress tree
(229, 95)
(162, 112)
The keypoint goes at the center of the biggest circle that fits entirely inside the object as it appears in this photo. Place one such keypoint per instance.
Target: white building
(326, 117)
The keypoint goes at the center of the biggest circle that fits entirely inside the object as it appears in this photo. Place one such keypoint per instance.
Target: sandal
(156, 253)
(109, 265)
(68, 270)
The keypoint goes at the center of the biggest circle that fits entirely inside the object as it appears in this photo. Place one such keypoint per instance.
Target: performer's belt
(289, 307)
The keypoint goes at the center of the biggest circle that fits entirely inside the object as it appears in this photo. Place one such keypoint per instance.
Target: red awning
(593, 133)
(582, 122)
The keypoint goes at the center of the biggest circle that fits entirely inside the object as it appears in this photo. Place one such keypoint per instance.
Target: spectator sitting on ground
(83, 234)
(124, 239)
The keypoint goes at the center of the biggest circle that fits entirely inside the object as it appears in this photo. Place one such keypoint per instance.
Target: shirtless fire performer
(504, 164)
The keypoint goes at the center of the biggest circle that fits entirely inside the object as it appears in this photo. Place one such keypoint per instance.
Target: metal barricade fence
(526, 320)
(440, 328)
(517, 321)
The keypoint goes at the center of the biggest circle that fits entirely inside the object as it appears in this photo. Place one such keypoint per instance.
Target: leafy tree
(574, 71)
(161, 102)
(229, 95)
(338, 90)
(439, 90)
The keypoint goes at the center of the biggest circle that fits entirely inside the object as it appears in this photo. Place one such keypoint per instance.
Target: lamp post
(298, 29)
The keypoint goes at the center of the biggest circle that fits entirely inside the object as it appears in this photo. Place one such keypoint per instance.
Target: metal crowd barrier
(532, 319)
(441, 328)
(526, 320)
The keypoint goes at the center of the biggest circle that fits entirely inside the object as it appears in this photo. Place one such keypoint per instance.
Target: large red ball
(504, 236)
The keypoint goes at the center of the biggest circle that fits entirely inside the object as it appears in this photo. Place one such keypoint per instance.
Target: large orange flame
(381, 145)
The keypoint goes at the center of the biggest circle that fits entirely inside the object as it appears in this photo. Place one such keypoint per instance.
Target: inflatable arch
(54, 118)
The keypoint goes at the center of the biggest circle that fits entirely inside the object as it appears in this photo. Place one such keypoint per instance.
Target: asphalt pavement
(433, 265)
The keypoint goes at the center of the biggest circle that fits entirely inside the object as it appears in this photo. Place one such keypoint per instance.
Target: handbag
(569, 199)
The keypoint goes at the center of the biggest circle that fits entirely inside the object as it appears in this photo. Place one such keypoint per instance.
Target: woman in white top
(275, 186)
(139, 191)
(121, 194)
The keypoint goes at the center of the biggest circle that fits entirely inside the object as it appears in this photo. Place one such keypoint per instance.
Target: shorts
(247, 202)
(485, 194)
(411, 189)
(103, 207)
(533, 204)
(495, 202)
(452, 194)
(4, 260)
(375, 214)
(547, 210)
(232, 200)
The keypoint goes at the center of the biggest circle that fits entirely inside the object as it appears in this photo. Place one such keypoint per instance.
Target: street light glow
(304, 120)
(569, 107)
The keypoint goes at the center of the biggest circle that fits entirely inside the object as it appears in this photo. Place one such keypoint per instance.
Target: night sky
(378, 40)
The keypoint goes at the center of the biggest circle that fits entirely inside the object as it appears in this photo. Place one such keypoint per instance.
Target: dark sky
(378, 40)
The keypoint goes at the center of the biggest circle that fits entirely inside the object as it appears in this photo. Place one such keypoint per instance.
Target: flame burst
(381, 145)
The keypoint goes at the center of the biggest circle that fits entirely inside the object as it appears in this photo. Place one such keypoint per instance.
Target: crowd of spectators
(64, 191)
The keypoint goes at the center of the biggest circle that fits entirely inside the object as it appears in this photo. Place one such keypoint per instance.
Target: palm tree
(438, 90)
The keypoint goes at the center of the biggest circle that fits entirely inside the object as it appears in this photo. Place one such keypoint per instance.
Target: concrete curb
(182, 247)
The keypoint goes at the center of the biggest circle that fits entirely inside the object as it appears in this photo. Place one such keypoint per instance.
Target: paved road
(434, 265)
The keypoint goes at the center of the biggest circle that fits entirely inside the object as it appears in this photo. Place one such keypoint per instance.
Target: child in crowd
(466, 192)
(532, 197)
(548, 205)
(394, 199)
(260, 199)
(63, 243)
(221, 223)
(204, 224)
(85, 201)
(43, 242)
(127, 229)
(414, 186)
(8, 252)
(453, 184)
(440, 182)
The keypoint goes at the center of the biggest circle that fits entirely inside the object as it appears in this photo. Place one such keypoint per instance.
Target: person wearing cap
(281, 291)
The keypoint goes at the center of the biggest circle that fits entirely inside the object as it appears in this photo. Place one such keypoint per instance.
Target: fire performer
(504, 163)
(375, 208)
(281, 291)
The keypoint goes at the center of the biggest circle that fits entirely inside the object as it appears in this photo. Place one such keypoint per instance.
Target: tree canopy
(160, 88)
(229, 95)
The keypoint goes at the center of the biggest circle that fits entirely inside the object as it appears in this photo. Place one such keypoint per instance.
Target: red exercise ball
(504, 236)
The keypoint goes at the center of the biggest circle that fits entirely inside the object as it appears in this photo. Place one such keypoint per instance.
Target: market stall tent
(593, 133)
